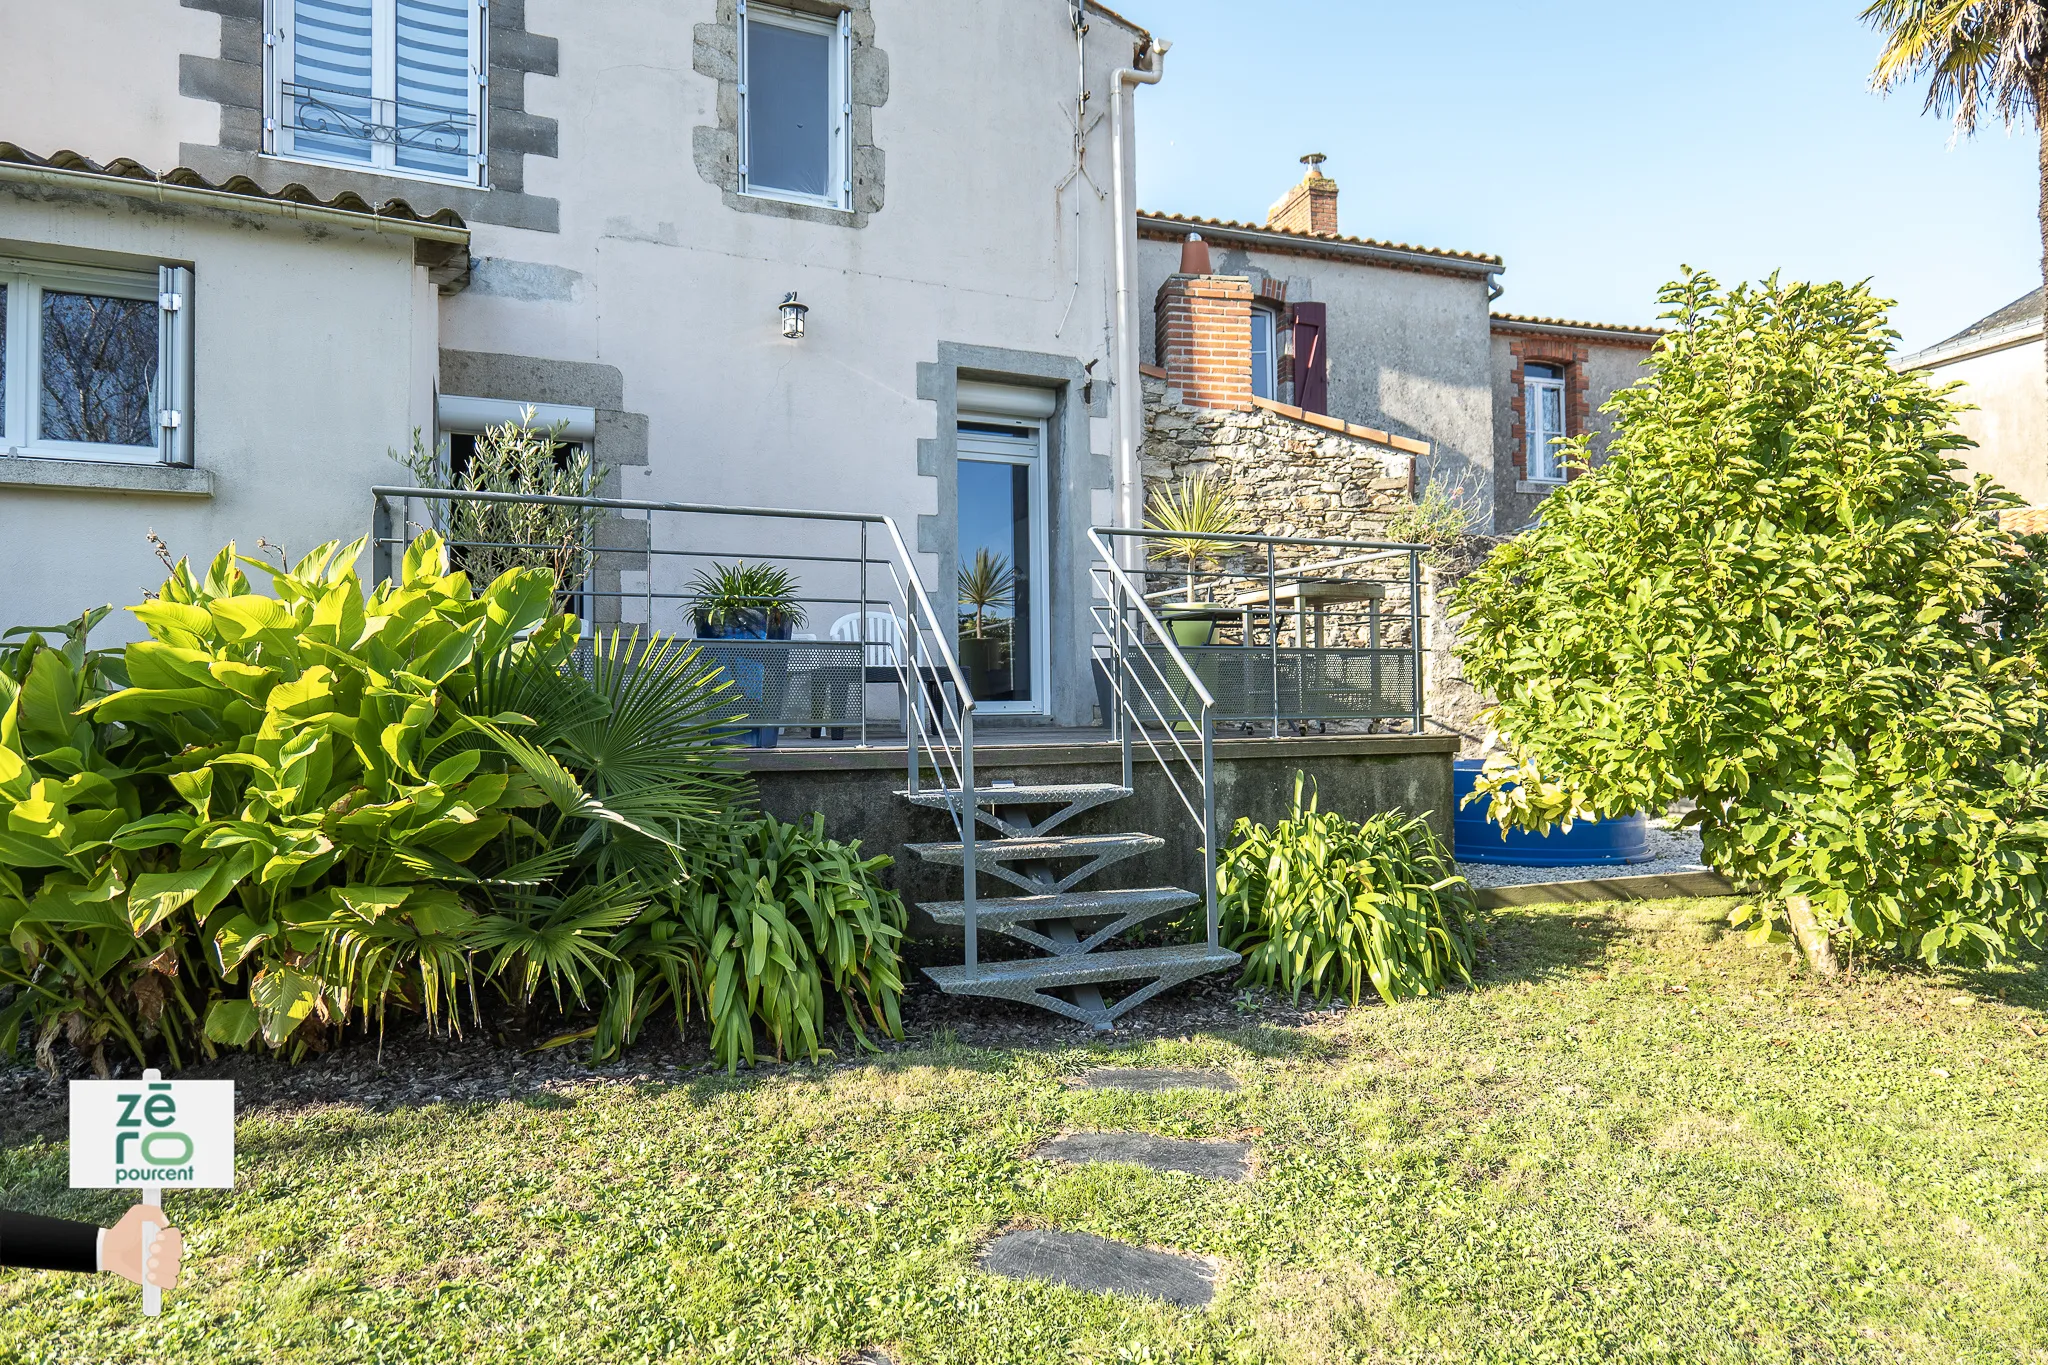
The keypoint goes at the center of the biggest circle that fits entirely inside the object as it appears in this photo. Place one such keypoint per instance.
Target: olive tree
(1776, 598)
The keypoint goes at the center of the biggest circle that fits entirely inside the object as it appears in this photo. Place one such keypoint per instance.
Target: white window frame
(1029, 451)
(1545, 461)
(840, 168)
(1269, 369)
(279, 65)
(169, 287)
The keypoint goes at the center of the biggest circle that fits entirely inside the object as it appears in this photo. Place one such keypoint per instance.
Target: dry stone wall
(1293, 479)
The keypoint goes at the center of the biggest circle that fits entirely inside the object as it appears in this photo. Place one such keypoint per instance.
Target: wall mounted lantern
(793, 316)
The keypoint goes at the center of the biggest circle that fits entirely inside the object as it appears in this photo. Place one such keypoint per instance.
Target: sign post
(152, 1135)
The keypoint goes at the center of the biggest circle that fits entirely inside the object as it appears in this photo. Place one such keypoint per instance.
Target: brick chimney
(1204, 325)
(1309, 207)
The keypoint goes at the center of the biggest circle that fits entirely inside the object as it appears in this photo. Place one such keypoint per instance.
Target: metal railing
(892, 635)
(1327, 630)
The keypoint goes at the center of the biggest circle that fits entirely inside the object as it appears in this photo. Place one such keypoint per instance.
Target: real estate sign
(152, 1134)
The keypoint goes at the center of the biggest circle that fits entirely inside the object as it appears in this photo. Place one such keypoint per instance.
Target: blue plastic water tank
(1476, 839)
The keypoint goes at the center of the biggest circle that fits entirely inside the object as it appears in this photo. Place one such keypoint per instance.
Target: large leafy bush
(283, 810)
(1326, 904)
(1774, 598)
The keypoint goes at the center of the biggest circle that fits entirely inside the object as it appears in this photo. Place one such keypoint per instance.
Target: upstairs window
(394, 86)
(795, 106)
(1265, 353)
(95, 364)
(1543, 416)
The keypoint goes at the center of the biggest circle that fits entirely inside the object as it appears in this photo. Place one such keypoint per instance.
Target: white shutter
(174, 364)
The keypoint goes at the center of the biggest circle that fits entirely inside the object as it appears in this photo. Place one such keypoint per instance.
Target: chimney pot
(1194, 255)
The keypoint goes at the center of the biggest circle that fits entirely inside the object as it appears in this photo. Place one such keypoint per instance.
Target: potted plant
(988, 584)
(745, 602)
(749, 602)
(1192, 512)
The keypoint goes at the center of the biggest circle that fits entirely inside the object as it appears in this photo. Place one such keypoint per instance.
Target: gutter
(156, 190)
(1130, 486)
(1326, 246)
(1610, 335)
(1947, 352)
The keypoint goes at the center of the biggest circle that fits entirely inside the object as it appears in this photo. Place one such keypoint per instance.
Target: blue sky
(1596, 145)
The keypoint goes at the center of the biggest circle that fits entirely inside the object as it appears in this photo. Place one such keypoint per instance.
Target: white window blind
(795, 109)
(389, 85)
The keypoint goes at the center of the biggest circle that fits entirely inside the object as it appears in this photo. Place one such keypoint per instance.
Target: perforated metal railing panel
(792, 682)
(1313, 684)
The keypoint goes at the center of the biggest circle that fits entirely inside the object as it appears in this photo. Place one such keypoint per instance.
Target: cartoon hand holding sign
(150, 1135)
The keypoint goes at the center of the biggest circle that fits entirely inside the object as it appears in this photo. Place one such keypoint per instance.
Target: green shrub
(281, 812)
(779, 912)
(489, 538)
(1325, 904)
(1775, 599)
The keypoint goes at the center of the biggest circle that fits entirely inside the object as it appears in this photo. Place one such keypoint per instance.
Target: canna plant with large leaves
(331, 783)
(73, 838)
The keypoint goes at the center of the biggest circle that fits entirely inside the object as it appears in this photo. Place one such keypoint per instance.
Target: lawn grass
(1639, 1139)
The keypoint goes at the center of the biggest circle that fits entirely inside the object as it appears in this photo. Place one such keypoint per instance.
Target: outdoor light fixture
(793, 316)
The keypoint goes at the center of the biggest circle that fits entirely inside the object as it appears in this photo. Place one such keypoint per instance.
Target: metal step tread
(947, 798)
(1036, 850)
(998, 911)
(1046, 973)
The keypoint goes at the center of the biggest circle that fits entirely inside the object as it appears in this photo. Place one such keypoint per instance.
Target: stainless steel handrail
(952, 756)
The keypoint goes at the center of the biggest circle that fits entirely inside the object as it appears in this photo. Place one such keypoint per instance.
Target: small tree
(1776, 599)
(489, 538)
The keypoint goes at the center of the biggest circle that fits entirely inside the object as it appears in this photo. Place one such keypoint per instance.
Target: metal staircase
(1067, 926)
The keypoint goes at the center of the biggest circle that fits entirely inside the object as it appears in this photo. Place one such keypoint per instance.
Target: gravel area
(1675, 850)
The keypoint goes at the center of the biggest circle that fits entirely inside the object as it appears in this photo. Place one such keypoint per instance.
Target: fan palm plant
(629, 768)
(1980, 57)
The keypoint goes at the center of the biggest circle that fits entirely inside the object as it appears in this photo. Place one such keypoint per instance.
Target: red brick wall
(1578, 413)
(1309, 207)
(1205, 339)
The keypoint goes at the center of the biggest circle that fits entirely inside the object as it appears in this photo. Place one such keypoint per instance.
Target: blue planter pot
(749, 677)
(1591, 843)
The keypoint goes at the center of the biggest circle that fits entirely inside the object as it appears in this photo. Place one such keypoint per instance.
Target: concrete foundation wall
(856, 792)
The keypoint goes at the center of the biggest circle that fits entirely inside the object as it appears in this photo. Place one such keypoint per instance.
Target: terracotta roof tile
(2024, 521)
(125, 169)
(1618, 328)
(1311, 239)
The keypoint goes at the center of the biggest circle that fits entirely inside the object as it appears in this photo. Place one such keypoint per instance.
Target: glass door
(1002, 626)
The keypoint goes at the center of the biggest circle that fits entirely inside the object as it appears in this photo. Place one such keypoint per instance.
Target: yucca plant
(986, 585)
(1325, 904)
(1192, 513)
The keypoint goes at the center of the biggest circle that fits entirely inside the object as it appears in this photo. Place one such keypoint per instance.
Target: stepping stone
(1210, 1160)
(1081, 1261)
(1145, 1079)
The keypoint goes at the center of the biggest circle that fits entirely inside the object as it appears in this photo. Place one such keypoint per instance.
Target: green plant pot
(1191, 631)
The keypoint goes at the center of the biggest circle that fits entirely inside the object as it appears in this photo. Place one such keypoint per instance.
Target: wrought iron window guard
(353, 117)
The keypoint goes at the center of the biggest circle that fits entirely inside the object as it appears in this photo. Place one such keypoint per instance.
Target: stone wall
(1293, 477)
(1450, 702)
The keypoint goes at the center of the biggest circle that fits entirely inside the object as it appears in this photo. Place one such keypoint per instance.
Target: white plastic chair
(885, 636)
